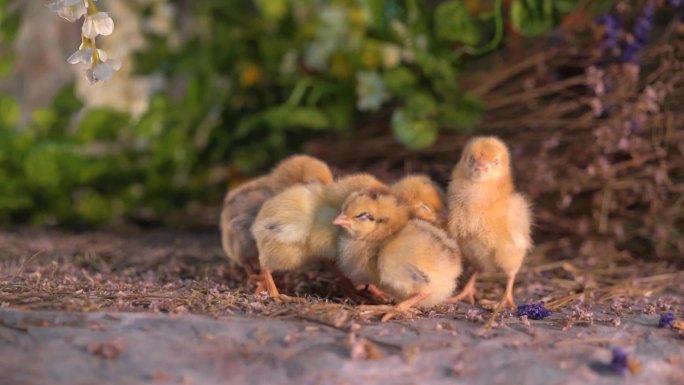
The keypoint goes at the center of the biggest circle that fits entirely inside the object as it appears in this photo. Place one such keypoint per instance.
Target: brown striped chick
(294, 228)
(426, 199)
(490, 221)
(411, 259)
(241, 205)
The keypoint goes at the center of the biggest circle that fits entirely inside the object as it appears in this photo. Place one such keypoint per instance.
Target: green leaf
(437, 69)
(44, 118)
(463, 115)
(6, 64)
(341, 114)
(413, 133)
(9, 112)
(101, 124)
(400, 81)
(273, 10)
(307, 117)
(93, 207)
(420, 105)
(42, 168)
(532, 17)
(454, 23)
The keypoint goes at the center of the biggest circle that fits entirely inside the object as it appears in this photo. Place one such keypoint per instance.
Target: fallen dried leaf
(159, 376)
(673, 359)
(363, 349)
(107, 349)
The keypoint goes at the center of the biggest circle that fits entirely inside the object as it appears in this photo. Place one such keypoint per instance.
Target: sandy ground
(130, 348)
(159, 307)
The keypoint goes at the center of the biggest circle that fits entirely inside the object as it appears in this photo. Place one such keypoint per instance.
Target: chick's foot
(467, 294)
(404, 306)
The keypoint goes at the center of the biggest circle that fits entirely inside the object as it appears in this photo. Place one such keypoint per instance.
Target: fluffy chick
(241, 205)
(490, 221)
(426, 199)
(295, 227)
(411, 259)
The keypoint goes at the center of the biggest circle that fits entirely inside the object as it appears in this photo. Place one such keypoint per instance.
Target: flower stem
(92, 9)
(96, 55)
(498, 34)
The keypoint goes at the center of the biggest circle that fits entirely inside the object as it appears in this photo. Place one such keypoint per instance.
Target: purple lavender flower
(641, 31)
(633, 126)
(619, 364)
(666, 320)
(644, 23)
(533, 311)
(608, 20)
(674, 3)
(630, 52)
(612, 25)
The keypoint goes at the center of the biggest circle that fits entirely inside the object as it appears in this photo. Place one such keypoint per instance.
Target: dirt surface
(138, 306)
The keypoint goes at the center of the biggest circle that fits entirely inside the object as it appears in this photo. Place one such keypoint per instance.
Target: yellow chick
(427, 200)
(411, 259)
(295, 227)
(241, 205)
(490, 221)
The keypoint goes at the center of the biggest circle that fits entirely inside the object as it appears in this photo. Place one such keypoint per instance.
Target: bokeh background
(587, 94)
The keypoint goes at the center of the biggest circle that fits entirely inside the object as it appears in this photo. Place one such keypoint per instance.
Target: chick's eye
(425, 207)
(365, 217)
(496, 161)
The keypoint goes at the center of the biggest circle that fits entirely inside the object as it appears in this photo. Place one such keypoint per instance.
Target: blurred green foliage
(257, 79)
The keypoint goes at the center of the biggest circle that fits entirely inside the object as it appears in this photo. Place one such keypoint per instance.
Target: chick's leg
(270, 284)
(404, 306)
(273, 290)
(507, 299)
(468, 292)
(375, 292)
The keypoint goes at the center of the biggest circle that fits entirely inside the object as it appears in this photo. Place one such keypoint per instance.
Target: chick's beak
(481, 165)
(342, 220)
(442, 216)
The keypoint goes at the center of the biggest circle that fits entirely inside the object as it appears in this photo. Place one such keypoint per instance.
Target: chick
(295, 227)
(490, 221)
(426, 199)
(412, 260)
(241, 205)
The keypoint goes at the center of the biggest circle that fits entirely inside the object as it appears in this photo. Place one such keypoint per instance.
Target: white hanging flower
(102, 71)
(83, 55)
(98, 24)
(371, 91)
(71, 10)
(103, 68)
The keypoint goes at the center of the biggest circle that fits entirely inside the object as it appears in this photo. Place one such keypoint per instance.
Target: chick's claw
(508, 302)
(467, 294)
(287, 299)
(388, 316)
(464, 296)
(387, 311)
